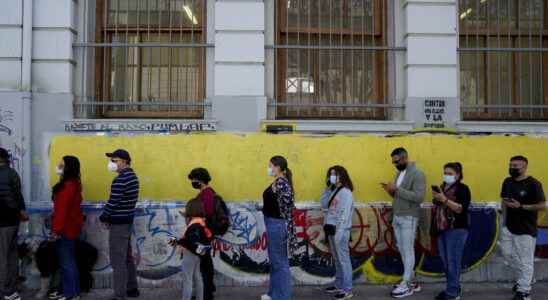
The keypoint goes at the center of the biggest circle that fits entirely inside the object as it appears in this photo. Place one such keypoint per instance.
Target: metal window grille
(141, 58)
(334, 59)
(503, 59)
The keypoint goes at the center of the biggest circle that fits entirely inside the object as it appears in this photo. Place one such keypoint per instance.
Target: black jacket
(11, 197)
(195, 234)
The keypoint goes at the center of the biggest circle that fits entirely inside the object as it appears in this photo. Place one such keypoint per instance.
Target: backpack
(219, 222)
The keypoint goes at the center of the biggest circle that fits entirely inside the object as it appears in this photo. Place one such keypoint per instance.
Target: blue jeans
(69, 271)
(405, 231)
(450, 247)
(338, 244)
(279, 287)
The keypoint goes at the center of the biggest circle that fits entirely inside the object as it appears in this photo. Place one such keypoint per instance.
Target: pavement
(472, 291)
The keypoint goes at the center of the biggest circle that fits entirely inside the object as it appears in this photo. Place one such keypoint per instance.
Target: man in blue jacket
(118, 216)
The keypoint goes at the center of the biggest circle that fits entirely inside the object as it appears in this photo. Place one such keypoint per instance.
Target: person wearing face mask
(522, 198)
(407, 190)
(278, 208)
(337, 201)
(12, 212)
(450, 225)
(67, 223)
(118, 216)
(199, 179)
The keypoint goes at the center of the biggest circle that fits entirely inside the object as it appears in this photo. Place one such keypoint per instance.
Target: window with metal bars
(332, 59)
(149, 58)
(503, 59)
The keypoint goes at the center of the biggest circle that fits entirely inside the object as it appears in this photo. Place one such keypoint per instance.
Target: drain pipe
(26, 88)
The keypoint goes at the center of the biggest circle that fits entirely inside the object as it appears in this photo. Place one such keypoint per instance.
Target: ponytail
(289, 177)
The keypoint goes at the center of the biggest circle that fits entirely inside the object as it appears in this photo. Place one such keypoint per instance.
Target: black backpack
(219, 222)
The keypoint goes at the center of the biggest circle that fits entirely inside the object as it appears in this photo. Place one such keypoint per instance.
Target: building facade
(153, 67)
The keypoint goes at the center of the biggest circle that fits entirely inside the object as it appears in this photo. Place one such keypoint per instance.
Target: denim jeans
(279, 287)
(405, 230)
(69, 270)
(338, 244)
(450, 247)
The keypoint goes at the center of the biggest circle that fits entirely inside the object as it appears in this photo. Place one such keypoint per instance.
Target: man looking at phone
(523, 197)
(407, 190)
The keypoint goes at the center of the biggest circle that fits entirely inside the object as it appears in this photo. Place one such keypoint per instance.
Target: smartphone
(436, 189)
(507, 199)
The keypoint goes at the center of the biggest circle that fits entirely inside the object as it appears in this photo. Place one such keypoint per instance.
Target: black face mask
(401, 167)
(196, 185)
(515, 173)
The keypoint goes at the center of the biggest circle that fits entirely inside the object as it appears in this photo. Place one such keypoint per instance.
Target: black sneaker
(441, 296)
(343, 295)
(332, 290)
(522, 296)
(134, 293)
(515, 288)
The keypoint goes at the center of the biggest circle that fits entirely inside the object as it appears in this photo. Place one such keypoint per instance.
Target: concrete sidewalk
(472, 291)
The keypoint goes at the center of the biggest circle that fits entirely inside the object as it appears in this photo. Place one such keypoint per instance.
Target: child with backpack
(216, 218)
(196, 242)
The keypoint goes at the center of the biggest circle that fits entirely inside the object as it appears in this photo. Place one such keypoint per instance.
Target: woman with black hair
(67, 222)
(337, 201)
(450, 225)
(199, 179)
(278, 207)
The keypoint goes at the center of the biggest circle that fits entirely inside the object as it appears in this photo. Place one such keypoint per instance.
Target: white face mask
(333, 179)
(112, 166)
(449, 179)
(270, 172)
(58, 171)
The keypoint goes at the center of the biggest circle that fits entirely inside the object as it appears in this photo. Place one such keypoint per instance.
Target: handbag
(330, 229)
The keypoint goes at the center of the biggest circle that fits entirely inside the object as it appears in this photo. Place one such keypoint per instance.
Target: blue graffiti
(241, 227)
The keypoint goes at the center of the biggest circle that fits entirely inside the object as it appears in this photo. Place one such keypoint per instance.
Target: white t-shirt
(400, 178)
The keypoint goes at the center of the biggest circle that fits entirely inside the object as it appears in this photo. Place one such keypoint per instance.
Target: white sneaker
(266, 297)
(402, 290)
(14, 296)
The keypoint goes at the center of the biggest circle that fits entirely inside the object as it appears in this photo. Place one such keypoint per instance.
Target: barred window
(503, 59)
(149, 59)
(332, 59)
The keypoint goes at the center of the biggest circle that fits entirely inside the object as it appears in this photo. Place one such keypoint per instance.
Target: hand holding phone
(172, 241)
(436, 189)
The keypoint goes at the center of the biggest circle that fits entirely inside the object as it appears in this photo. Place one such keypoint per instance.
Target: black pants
(206, 267)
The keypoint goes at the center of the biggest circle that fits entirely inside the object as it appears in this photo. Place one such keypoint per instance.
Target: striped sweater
(124, 192)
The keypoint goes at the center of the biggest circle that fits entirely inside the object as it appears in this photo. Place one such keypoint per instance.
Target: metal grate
(503, 56)
(333, 60)
(141, 58)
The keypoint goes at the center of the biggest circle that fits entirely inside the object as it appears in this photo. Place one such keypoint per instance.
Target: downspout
(26, 88)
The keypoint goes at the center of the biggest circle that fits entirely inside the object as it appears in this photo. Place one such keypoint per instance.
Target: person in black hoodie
(12, 211)
(195, 243)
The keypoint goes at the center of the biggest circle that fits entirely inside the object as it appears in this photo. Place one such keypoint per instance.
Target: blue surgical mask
(270, 172)
(333, 179)
(449, 179)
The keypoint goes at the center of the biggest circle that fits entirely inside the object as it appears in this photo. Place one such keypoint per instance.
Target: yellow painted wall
(238, 163)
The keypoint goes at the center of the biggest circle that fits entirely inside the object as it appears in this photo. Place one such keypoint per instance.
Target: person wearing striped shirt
(118, 215)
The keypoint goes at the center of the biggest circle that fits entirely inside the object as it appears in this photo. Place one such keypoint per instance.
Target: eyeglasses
(396, 162)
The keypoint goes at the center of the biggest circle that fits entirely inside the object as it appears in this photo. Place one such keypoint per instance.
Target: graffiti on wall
(8, 138)
(242, 253)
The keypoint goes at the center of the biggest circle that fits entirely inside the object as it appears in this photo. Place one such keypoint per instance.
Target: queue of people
(207, 216)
